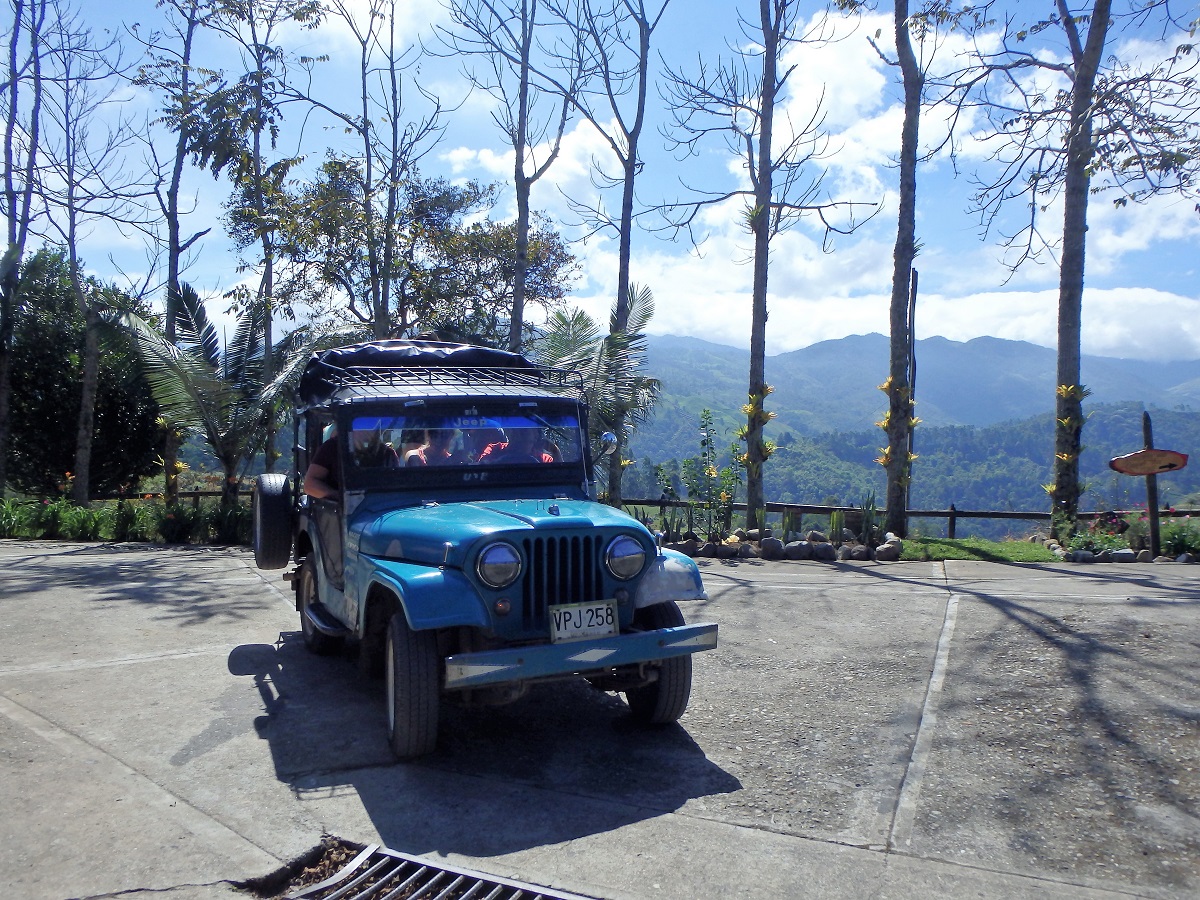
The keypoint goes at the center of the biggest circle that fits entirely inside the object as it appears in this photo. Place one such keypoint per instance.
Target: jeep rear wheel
(272, 521)
(665, 699)
(315, 640)
(412, 669)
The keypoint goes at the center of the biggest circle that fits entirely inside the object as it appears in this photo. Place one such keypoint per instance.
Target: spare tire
(272, 521)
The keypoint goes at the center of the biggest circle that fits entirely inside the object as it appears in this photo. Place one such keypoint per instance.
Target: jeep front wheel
(665, 699)
(315, 640)
(412, 667)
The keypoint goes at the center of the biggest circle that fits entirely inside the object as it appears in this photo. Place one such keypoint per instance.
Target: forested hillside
(986, 436)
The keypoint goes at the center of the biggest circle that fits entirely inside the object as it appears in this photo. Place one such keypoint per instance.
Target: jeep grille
(560, 570)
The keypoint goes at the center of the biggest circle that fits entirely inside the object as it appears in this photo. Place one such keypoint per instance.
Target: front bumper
(468, 670)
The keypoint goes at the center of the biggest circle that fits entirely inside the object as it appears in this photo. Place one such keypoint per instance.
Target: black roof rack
(380, 368)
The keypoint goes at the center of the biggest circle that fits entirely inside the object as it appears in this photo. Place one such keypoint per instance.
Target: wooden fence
(951, 515)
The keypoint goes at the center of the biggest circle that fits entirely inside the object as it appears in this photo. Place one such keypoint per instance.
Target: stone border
(762, 545)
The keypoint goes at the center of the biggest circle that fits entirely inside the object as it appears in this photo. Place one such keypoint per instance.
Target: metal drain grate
(382, 874)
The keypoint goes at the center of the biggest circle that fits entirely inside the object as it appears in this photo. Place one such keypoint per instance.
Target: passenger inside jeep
(435, 451)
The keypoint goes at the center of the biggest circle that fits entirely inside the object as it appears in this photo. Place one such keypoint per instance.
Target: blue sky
(1142, 295)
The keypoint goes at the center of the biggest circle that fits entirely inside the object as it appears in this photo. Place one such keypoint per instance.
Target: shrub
(14, 518)
(131, 521)
(46, 518)
(177, 522)
(1177, 536)
(229, 526)
(81, 523)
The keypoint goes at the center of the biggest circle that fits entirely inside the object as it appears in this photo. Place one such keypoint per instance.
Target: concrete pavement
(894, 730)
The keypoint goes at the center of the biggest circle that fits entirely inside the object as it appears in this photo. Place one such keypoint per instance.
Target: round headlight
(624, 557)
(498, 565)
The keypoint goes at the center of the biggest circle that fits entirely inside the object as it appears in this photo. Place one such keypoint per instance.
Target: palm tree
(620, 395)
(202, 389)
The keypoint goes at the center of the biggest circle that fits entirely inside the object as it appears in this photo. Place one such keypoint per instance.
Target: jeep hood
(420, 534)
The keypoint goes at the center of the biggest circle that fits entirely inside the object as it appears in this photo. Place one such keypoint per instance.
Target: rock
(1124, 555)
(739, 533)
(1059, 552)
(816, 537)
(1038, 539)
(798, 550)
(843, 552)
(758, 534)
(1104, 556)
(727, 551)
(1144, 556)
(747, 551)
(690, 546)
(770, 548)
(848, 535)
(824, 551)
(1185, 558)
(1163, 559)
(860, 553)
(1080, 556)
(889, 552)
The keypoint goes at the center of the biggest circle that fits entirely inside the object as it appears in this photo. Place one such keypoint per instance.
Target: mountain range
(831, 386)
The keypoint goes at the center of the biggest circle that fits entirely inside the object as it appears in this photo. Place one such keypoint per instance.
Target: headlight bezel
(620, 566)
(483, 566)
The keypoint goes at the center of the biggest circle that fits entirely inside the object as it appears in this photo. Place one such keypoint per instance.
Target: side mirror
(608, 444)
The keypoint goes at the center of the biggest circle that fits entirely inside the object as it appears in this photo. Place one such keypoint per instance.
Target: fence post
(953, 521)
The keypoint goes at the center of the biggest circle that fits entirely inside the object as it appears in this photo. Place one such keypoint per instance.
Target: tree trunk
(760, 224)
(898, 421)
(85, 432)
(1069, 392)
(620, 323)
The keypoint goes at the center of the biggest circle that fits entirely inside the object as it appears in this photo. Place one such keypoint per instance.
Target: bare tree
(87, 182)
(616, 38)
(21, 96)
(502, 35)
(171, 70)
(739, 100)
(900, 419)
(387, 155)
(1064, 129)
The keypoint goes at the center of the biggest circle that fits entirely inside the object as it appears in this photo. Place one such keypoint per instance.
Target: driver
(523, 446)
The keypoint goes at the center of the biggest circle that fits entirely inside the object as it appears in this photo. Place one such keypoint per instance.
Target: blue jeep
(463, 552)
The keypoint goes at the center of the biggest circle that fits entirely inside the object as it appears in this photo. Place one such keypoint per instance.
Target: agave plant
(619, 393)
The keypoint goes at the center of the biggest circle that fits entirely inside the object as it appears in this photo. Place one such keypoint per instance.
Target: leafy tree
(243, 127)
(451, 270)
(1063, 129)
(48, 354)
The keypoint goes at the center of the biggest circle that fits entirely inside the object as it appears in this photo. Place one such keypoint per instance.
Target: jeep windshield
(473, 441)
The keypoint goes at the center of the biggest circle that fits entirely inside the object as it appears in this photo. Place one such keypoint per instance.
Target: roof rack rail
(457, 376)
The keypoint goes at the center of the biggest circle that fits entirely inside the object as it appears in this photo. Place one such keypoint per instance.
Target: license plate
(578, 621)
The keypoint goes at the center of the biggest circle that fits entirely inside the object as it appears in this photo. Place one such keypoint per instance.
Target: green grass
(928, 548)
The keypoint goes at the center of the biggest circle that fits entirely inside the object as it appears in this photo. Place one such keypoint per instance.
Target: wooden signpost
(1149, 461)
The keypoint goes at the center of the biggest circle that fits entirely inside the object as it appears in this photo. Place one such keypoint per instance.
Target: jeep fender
(670, 576)
(431, 597)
